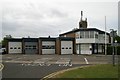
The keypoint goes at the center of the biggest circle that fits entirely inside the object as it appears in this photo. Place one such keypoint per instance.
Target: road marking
(1, 66)
(86, 60)
(64, 62)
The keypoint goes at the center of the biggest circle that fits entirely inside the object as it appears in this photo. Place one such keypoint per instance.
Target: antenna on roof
(81, 15)
(82, 23)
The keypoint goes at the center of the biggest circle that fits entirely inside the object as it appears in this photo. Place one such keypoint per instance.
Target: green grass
(97, 71)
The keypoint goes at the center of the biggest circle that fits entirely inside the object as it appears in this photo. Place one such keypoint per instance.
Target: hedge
(110, 50)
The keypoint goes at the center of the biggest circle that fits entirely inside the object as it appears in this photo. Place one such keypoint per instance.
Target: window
(63, 48)
(70, 48)
(48, 47)
(18, 47)
(77, 35)
(96, 35)
(11, 47)
(52, 47)
(86, 34)
(43, 47)
(15, 48)
(66, 47)
(30, 46)
(82, 34)
(26, 46)
(91, 34)
(34, 47)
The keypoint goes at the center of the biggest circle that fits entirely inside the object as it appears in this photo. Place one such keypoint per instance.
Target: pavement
(39, 66)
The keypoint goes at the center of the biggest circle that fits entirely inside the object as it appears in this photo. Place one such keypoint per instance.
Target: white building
(88, 40)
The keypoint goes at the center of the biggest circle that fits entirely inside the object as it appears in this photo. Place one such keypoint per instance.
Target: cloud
(50, 17)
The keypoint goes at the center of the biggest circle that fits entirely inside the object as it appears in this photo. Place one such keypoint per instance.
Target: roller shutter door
(48, 47)
(66, 47)
(14, 47)
(31, 48)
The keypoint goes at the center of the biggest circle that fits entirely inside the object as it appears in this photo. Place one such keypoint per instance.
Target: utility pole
(105, 38)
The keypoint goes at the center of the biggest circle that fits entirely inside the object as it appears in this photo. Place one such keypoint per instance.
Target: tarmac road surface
(13, 70)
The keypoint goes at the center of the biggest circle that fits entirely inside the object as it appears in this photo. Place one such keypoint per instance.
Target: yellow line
(62, 71)
(1, 66)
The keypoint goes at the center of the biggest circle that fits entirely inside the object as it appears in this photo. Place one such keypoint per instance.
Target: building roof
(30, 39)
(85, 29)
(15, 39)
(47, 39)
(66, 38)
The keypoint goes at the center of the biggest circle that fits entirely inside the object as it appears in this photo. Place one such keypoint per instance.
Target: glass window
(48, 47)
(43, 47)
(34, 47)
(15, 48)
(11, 47)
(77, 35)
(96, 34)
(91, 34)
(62, 47)
(82, 34)
(86, 34)
(70, 48)
(26, 46)
(52, 47)
(18, 47)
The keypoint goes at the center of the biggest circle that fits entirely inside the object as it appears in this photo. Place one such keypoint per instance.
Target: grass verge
(97, 71)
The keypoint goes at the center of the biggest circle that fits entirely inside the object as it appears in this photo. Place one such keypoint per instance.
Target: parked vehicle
(2, 50)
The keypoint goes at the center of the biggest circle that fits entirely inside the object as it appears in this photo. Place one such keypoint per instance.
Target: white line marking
(86, 60)
(1, 66)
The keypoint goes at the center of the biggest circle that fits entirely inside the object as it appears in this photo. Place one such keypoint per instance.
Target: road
(38, 66)
(13, 70)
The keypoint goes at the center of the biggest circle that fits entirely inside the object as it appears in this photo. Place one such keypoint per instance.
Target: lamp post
(113, 55)
(116, 47)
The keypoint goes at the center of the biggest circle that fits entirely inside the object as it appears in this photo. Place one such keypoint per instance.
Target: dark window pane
(11, 47)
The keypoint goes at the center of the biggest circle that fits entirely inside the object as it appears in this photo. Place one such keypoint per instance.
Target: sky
(41, 18)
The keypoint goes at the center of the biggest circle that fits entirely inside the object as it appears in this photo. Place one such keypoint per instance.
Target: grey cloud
(9, 26)
(58, 13)
(34, 19)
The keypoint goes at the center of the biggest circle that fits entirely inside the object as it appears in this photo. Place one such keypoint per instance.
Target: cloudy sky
(41, 18)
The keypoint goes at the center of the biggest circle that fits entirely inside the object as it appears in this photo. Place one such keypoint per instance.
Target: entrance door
(86, 49)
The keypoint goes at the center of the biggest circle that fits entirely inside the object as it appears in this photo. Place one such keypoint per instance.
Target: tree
(118, 39)
(5, 39)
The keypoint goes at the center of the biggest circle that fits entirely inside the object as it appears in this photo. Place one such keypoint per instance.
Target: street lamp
(116, 47)
(113, 35)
